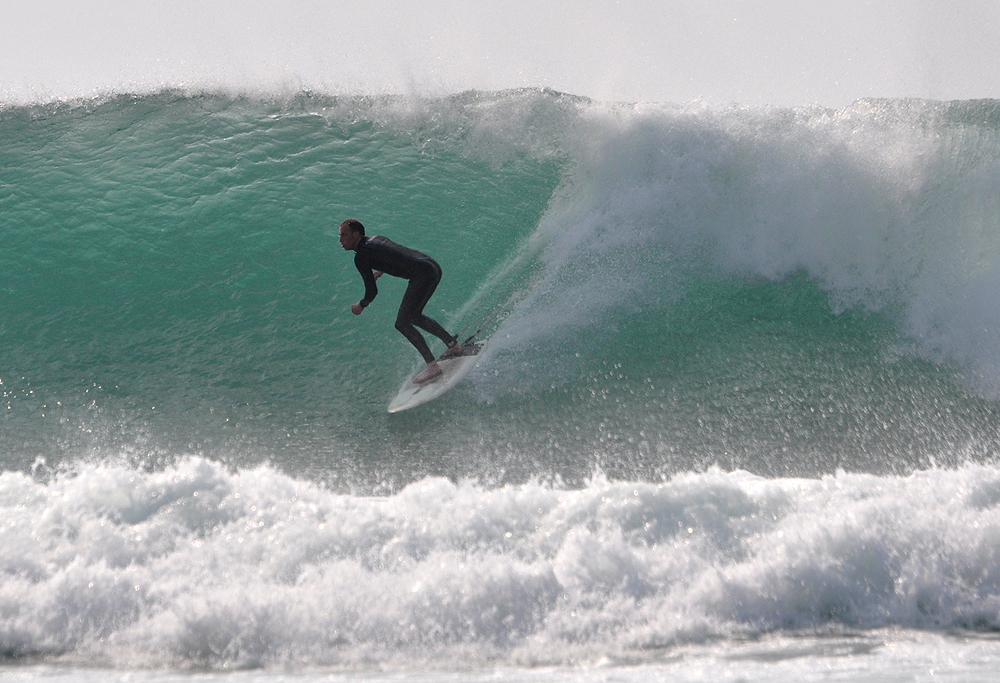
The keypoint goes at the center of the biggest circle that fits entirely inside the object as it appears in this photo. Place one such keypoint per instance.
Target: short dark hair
(354, 225)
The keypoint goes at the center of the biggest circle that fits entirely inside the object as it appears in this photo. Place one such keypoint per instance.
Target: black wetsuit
(424, 274)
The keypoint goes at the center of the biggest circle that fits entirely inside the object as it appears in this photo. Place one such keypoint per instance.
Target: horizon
(774, 52)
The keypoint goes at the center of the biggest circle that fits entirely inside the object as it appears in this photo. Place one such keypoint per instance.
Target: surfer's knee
(404, 324)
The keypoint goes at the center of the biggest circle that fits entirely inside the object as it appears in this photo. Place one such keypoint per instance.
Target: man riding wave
(375, 256)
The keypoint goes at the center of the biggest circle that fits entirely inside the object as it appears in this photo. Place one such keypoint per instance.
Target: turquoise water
(671, 289)
(743, 376)
(174, 278)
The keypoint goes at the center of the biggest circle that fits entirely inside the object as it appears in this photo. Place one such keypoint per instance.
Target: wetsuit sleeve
(371, 290)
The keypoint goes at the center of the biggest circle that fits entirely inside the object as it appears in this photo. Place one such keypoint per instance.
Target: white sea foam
(196, 565)
(893, 206)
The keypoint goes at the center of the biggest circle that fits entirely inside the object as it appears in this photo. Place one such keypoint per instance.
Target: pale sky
(718, 51)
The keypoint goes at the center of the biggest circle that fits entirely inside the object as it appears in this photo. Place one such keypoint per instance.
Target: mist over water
(772, 52)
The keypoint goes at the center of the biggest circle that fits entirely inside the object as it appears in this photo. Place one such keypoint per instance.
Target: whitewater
(738, 418)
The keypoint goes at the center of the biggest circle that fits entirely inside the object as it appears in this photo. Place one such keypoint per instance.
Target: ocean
(738, 419)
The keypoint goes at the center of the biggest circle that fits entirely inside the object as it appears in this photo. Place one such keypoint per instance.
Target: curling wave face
(786, 291)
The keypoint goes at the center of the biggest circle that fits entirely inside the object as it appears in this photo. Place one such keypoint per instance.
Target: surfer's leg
(432, 326)
(409, 312)
(407, 329)
(413, 298)
(426, 286)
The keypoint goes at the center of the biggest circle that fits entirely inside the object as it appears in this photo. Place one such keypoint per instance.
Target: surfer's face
(348, 238)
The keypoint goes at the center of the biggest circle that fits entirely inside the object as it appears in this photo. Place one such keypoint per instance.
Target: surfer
(377, 255)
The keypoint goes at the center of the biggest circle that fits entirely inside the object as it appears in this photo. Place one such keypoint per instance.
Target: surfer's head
(351, 234)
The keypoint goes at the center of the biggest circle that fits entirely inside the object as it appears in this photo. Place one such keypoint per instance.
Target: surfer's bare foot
(452, 351)
(432, 371)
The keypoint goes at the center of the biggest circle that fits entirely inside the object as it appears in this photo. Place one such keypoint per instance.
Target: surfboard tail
(453, 370)
(468, 349)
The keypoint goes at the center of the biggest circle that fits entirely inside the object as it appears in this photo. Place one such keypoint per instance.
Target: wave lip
(199, 566)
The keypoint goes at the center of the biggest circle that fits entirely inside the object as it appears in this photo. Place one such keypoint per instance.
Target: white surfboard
(453, 370)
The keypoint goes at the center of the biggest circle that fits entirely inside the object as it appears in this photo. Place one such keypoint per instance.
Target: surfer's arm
(369, 277)
(359, 307)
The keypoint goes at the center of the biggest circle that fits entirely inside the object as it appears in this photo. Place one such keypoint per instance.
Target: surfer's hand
(378, 274)
(356, 309)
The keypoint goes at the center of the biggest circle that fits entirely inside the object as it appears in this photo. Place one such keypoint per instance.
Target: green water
(172, 284)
